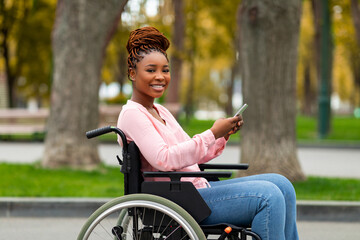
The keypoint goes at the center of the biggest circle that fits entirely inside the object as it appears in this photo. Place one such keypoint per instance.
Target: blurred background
(207, 67)
(296, 63)
(26, 55)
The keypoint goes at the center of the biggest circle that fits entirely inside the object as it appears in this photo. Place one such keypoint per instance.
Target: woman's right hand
(223, 126)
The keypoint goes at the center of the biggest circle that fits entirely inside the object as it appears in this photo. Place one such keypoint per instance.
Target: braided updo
(142, 41)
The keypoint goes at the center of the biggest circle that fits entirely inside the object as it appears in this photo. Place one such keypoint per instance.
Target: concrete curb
(339, 211)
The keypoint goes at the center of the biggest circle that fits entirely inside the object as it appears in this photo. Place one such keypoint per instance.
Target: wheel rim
(180, 218)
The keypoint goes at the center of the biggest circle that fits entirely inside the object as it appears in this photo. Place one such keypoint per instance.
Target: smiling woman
(165, 146)
(150, 78)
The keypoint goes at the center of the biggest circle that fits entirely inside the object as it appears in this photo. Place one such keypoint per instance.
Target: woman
(267, 202)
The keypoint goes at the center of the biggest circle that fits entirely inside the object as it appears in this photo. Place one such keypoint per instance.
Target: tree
(12, 13)
(81, 33)
(225, 16)
(269, 40)
(172, 97)
(323, 49)
(355, 10)
(33, 52)
(306, 71)
(346, 71)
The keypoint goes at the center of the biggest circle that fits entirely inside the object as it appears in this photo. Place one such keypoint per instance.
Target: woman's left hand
(236, 128)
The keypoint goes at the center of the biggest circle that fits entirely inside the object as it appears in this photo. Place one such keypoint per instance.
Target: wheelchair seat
(181, 193)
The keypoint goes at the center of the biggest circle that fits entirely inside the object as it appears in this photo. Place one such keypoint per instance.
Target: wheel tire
(113, 211)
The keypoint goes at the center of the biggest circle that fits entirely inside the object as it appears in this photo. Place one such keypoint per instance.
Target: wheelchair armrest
(175, 176)
(224, 166)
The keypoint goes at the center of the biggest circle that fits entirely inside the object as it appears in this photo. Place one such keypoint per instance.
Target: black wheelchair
(170, 210)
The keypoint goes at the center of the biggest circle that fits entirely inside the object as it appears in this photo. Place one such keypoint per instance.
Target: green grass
(31, 180)
(23, 180)
(344, 130)
(336, 189)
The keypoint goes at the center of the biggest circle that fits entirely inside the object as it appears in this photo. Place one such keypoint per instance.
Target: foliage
(347, 53)
(306, 57)
(30, 45)
(25, 180)
(34, 51)
(118, 99)
(28, 26)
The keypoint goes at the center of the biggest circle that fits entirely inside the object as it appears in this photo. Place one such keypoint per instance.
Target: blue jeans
(267, 202)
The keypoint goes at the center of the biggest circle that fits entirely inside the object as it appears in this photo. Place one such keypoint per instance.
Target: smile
(160, 87)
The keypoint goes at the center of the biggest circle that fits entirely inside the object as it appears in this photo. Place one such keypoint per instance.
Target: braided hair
(142, 41)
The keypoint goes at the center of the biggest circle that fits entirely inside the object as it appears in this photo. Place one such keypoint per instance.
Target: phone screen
(241, 110)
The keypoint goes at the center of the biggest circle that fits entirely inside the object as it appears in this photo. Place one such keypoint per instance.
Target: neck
(147, 103)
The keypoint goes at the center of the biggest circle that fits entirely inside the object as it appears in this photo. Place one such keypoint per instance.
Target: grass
(336, 189)
(23, 180)
(31, 180)
(344, 130)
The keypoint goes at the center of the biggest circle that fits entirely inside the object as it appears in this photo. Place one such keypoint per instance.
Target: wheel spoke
(140, 217)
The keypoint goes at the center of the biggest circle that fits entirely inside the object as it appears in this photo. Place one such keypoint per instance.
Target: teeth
(157, 86)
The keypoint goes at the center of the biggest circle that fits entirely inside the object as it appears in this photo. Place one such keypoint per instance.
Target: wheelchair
(160, 210)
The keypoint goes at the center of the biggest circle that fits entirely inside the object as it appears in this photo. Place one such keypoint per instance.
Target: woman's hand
(235, 129)
(224, 127)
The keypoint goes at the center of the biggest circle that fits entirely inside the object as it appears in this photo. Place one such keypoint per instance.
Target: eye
(166, 70)
(150, 70)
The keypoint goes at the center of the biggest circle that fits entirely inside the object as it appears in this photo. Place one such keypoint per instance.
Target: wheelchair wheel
(142, 217)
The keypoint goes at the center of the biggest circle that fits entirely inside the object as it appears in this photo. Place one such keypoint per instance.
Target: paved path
(330, 162)
(68, 228)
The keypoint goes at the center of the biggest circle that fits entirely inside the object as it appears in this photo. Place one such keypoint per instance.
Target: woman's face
(151, 76)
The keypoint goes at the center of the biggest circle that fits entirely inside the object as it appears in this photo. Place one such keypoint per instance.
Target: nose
(159, 75)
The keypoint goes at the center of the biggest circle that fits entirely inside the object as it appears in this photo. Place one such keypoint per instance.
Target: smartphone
(241, 110)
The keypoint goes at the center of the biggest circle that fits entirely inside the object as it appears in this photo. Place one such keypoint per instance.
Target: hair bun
(147, 37)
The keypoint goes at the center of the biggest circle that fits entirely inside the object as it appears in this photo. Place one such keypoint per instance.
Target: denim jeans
(266, 202)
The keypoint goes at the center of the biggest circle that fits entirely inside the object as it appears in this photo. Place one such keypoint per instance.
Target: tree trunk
(269, 41)
(235, 69)
(323, 57)
(230, 90)
(172, 97)
(10, 78)
(81, 33)
(355, 11)
(193, 28)
(309, 96)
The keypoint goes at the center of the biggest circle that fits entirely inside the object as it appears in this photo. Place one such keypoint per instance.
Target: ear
(132, 74)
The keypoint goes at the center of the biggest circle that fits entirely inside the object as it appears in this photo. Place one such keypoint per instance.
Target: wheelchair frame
(172, 199)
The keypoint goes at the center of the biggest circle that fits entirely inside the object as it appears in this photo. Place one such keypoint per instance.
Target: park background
(206, 60)
(63, 72)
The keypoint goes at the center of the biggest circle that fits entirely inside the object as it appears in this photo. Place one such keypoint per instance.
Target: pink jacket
(167, 147)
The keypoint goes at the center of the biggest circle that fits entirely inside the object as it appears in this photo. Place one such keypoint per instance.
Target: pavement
(316, 219)
(68, 228)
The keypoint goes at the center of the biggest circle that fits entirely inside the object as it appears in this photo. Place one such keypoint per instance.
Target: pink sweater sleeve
(162, 155)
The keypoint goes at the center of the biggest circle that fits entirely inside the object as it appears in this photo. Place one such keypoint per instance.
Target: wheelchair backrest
(131, 168)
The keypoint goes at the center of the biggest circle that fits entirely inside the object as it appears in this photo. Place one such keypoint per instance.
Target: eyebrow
(155, 65)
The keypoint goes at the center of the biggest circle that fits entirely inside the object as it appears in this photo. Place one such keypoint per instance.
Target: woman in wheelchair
(266, 202)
